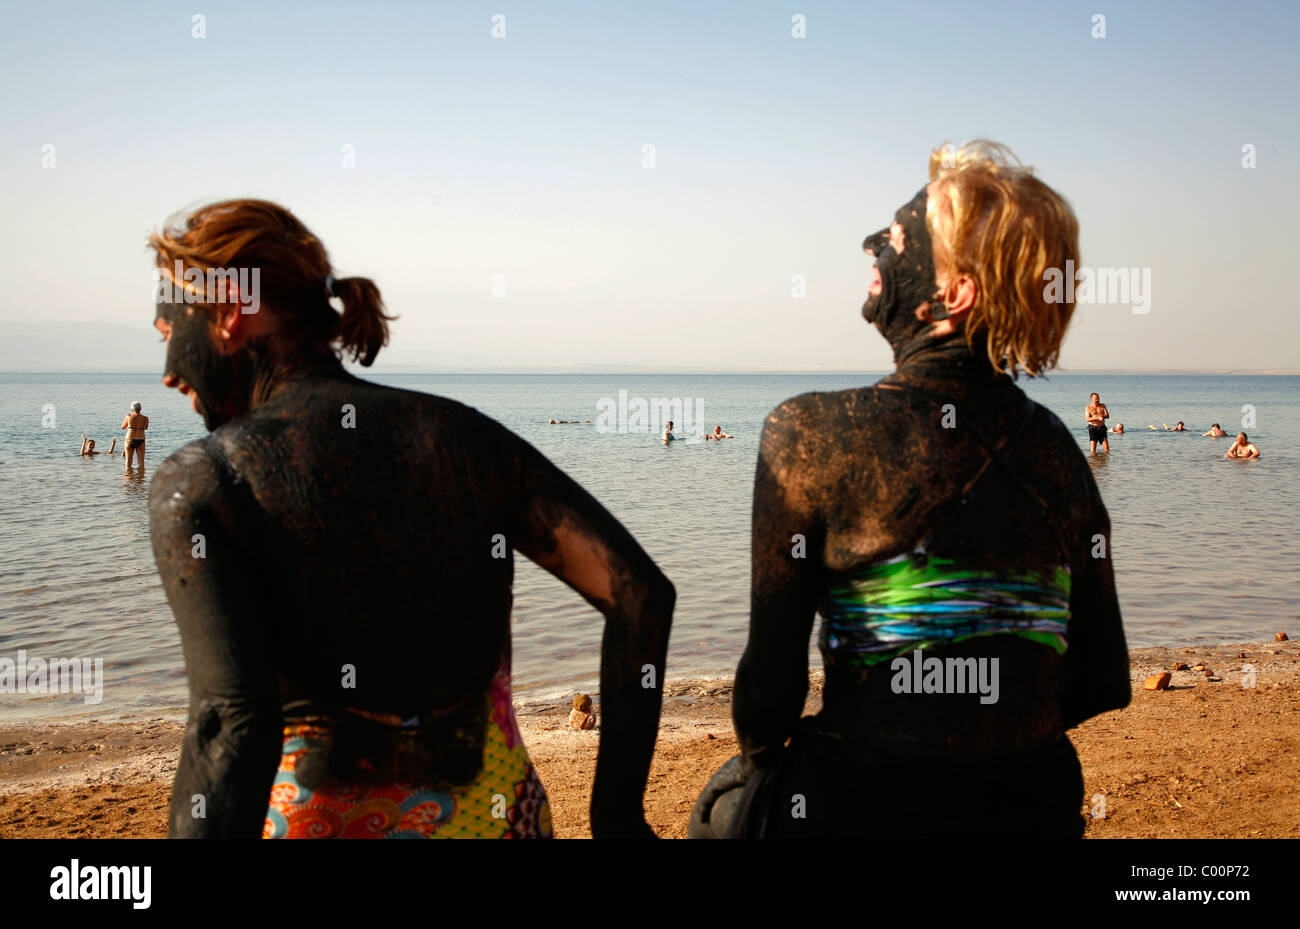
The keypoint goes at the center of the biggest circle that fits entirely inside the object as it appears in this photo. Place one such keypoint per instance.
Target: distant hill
(79, 346)
(114, 348)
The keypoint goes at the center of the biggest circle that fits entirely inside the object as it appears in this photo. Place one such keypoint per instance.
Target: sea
(1205, 550)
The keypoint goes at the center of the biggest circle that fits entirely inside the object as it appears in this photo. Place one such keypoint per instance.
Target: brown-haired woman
(346, 619)
(950, 533)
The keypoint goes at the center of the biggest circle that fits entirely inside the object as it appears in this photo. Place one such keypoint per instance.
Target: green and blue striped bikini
(918, 600)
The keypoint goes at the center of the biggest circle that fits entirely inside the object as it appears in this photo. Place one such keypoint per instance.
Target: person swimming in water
(1095, 415)
(718, 434)
(1242, 448)
(1118, 429)
(135, 423)
(88, 447)
(1216, 431)
(347, 632)
(668, 433)
(977, 548)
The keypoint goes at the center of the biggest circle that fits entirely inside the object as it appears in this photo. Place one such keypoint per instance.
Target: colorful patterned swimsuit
(504, 800)
(919, 600)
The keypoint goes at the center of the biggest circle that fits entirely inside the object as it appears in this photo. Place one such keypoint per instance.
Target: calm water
(1204, 549)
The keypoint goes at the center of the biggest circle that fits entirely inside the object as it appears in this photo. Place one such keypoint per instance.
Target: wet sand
(1201, 759)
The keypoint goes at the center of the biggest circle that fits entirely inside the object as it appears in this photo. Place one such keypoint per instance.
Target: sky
(519, 164)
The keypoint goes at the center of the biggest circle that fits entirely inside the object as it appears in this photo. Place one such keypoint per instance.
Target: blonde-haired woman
(956, 548)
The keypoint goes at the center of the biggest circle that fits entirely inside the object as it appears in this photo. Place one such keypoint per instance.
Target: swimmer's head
(717, 429)
(1180, 424)
(1095, 398)
(1241, 438)
(997, 224)
(1119, 427)
(135, 407)
(90, 445)
(252, 297)
(669, 424)
(1216, 426)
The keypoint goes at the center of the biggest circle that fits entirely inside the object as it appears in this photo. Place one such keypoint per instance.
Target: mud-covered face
(905, 262)
(196, 362)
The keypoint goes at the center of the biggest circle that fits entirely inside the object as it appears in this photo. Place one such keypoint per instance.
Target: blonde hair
(992, 219)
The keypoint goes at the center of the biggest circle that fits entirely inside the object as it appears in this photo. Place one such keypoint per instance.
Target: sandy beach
(1201, 759)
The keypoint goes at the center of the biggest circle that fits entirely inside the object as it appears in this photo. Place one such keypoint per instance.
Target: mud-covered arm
(1096, 672)
(772, 679)
(232, 743)
(567, 531)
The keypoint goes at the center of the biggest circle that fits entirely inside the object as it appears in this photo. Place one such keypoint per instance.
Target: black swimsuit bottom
(826, 788)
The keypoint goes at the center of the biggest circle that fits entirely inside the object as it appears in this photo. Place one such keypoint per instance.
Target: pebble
(1157, 681)
(1198, 667)
(1180, 666)
(1281, 637)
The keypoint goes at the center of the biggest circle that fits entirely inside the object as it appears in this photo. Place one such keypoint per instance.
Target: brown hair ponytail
(294, 276)
(363, 328)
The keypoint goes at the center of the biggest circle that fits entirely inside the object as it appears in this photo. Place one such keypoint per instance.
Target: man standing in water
(135, 424)
(1096, 415)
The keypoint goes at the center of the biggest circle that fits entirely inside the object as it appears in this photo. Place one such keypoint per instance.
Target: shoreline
(1200, 759)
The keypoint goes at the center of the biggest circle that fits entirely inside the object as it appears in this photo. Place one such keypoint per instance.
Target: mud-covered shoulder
(485, 446)
(188, 491)
(811, 419)
(790, 432)
(444, 413)
(187, 478)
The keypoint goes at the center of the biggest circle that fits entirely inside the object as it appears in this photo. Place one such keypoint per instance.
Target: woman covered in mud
(339, 558)
(950, 534)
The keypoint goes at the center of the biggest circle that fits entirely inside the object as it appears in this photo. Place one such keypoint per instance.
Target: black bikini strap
(995, 453)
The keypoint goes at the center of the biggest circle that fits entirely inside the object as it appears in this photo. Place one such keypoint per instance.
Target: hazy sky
(523, 156)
